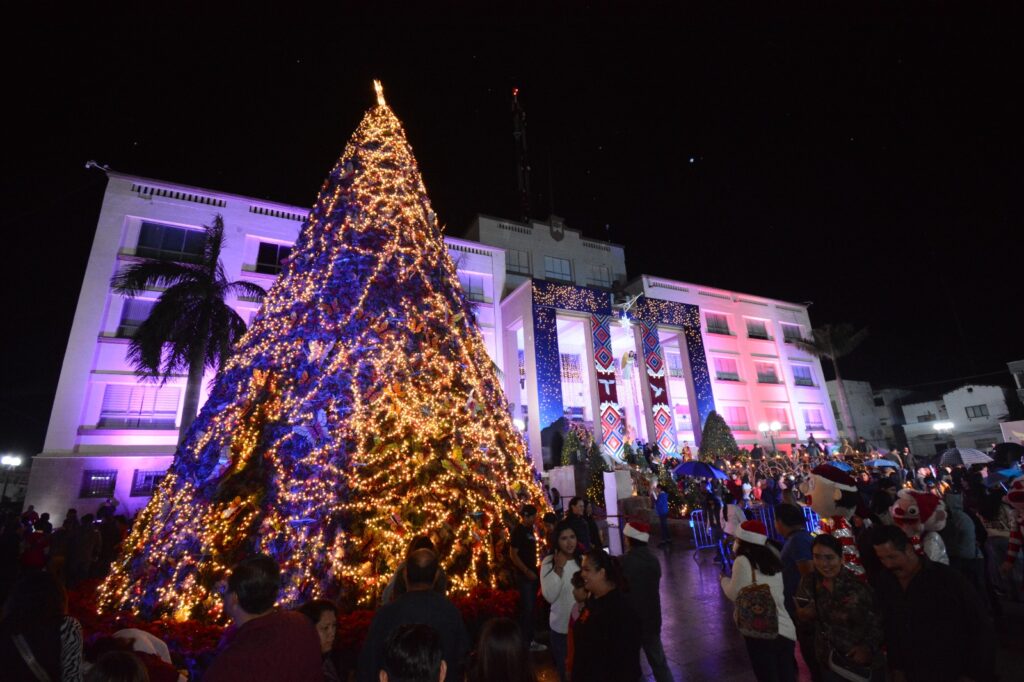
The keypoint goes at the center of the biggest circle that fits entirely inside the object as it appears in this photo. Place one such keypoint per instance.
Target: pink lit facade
(113, 435)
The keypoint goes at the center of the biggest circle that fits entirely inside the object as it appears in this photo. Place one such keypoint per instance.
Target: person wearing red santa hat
(771, 657)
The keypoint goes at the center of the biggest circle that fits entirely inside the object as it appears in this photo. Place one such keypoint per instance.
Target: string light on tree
(361, 408)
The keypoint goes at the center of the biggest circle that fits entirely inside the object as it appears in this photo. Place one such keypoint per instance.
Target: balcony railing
(727, 376)
(803, 381)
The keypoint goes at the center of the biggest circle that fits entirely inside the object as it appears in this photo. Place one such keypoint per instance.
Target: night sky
(867, 159)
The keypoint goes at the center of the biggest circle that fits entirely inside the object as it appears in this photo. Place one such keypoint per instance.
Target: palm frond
(244, 289)
(226, 328)
(214, 242)
(152, 274)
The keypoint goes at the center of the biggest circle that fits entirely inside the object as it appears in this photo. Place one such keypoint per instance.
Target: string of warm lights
(361, 408)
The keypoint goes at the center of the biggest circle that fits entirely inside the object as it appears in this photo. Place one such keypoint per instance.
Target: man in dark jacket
(643, 577)
(936, 625)
(422, 605)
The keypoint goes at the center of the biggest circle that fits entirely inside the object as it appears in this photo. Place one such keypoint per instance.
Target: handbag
(754, 610)
(843, 667)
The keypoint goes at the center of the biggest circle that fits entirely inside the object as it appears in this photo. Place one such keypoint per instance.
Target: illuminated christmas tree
(359, 410)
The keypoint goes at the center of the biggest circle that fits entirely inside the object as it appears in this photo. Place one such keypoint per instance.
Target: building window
(473, 287)
(778, 414)
(517, 262)
(557, 268)
(757, 329)
(717, 323)
(139, 407)
(791, 333)
(133, 314)
(726, 369)
(802, 375)
(571, 368)
(766, 373)
(977, 411)
(736, 418)
(926, 417)
(98, 483)
(270, 256)
(675, 365)
(879, 401)
(813, 420)
(167, 242)
(145, 482)
(600, 276)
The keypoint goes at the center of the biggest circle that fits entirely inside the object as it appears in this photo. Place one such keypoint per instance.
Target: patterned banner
(549, 366)
(661, 411)
(612, 425)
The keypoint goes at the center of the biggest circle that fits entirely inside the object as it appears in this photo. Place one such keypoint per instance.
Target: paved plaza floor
(701, 640)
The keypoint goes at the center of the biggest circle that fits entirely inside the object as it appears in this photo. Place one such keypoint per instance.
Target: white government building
(647, 363)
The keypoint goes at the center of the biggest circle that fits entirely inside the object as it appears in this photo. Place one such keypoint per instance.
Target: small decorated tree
(628, 454)
(571, 448)
(717, 440)
(677, 503)
(596, 466)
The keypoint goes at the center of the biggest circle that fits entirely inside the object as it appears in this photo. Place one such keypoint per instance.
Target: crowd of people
(889, 595)
(904, 582)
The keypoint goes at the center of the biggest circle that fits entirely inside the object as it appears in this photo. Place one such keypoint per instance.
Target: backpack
(755, 612)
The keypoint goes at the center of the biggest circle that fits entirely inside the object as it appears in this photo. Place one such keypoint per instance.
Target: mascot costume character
(1015, 499)
(832, 494)
(921, 516)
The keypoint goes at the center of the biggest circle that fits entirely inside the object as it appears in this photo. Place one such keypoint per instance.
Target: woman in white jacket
(771, 659)
(556, 572)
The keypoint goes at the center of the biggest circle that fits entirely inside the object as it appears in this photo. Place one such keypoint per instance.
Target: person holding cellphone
(848, 630)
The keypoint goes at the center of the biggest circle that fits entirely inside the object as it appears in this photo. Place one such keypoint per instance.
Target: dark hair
(603, 561)
(572, 503)
(412, 653)
(87, 519)
(790, 515)
(527, 510)
(891, 534)
(314, 609)
(499, 654)
(577, 580)
(881, 501)
(564, 525)
(420, 542)
(830, 542)
(421, 567)
(761, 558)
(256, 581)
(118, 666)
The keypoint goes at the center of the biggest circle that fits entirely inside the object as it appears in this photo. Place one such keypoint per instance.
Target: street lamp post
(11, 462)
(769, 431)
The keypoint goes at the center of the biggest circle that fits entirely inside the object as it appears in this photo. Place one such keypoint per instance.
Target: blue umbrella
(880, 463)
(842, 466)
(700, 470)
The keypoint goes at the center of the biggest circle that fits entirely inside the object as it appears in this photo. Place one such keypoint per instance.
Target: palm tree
(191, 327)
(834, 341)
